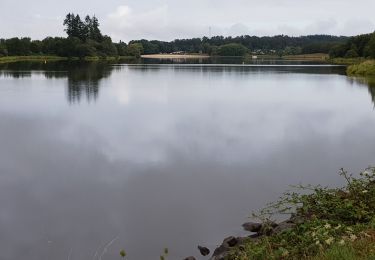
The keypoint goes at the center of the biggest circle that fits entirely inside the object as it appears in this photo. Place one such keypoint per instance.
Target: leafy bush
(366, 68)
(232, 49)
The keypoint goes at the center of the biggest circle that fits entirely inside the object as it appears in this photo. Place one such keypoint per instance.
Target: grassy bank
(175, 56)
(328, 224)
(10, 59)
(366, 68)
(346, 61)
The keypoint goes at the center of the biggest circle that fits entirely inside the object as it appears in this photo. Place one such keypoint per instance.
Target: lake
(99, 157)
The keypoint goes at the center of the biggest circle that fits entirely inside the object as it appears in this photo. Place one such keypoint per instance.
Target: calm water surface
(99, 157)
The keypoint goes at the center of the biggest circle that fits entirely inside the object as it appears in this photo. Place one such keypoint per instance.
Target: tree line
(84, 40)
(232, 46)
(358, 46)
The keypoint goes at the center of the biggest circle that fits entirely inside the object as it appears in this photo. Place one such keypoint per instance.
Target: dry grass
(313, 56)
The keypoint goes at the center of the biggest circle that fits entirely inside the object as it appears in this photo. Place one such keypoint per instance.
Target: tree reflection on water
(83, 78)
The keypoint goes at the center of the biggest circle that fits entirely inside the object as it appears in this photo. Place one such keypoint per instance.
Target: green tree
(232, 49)
(84, 50)
(338, 51)
(370, 47)
(135, 49)
(67, 47)
(3, 48)
(95, 33)
(16, 46)
(36, 47)
(121, 48)
(75, 27)
(352, 53)
(107, 48)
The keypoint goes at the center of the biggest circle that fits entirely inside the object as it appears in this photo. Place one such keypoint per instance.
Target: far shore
(175, 56)
(312, 57)
(38, 58)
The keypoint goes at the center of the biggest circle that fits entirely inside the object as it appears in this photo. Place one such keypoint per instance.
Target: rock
(220, 253)
(204, 250)
(230, 241)
(252, 227)
(255, 236)
(283, 226)
(190, 258)
(296, 219)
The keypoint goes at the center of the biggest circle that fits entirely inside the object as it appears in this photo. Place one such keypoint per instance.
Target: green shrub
(232, 49)
(366, 68)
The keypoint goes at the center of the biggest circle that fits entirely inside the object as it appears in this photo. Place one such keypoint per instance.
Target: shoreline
(322, 224)
(12, 59)
(364, 69)
(45, 58)
(175, 56)
(304, 57)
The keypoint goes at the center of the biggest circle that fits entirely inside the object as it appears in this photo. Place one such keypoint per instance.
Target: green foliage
(232, 49)
(18, 46)
(122, 253)
(165, 254)
(36, 47)
(335, 223)
(84, 50)
(3, 48)
(370, 47)
(10, 59)
(134, 49)
(84, 40)
(293, 51)
(358, 46)
(149, 47)
(89, 29)
(318, 47)
(121, 48)
(92, 29)
(260, 45)
(366, 68)
(352, 53)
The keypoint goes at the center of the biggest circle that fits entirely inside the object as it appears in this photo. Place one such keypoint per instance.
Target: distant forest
(357, 46)
(84, 39)
(219, 45)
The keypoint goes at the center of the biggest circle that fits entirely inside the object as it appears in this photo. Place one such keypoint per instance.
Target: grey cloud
(169, 19)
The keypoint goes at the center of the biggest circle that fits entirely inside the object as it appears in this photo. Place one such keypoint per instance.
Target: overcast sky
(170, 19)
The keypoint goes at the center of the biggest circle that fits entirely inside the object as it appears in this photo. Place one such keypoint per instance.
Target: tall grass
(9, 59)
(366, 68)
